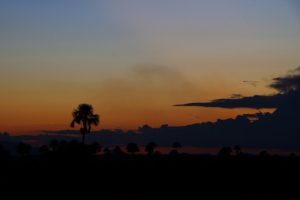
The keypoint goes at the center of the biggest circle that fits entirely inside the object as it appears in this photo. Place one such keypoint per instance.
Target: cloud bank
(285, 85)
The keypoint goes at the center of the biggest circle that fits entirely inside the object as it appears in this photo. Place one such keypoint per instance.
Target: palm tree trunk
(84, 130)
(83, 137)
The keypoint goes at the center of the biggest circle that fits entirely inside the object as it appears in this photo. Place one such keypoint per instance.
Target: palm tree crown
(84, 116)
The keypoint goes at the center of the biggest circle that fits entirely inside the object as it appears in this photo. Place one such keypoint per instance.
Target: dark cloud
(257, 102)
(288, 83)
(284, 85)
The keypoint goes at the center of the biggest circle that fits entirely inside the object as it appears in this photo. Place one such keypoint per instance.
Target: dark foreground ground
(150, 177)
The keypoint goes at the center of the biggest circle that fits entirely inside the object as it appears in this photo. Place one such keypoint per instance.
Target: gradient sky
(132, 60)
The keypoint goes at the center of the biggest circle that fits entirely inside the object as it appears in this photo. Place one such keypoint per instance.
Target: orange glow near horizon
(124, 120)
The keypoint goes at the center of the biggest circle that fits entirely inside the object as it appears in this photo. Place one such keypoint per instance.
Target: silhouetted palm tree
(150, 148)
(85, 116)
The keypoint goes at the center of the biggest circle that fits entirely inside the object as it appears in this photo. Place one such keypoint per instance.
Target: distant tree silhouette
(150, 148)
(4, 134)
(264, 154)
(237, 149)
(132, 148)
(23, 149)
(84, 116)
(106, 151)
(118, 151)
(173, 152)
(94, 148)
(225, 152)
(175, 146)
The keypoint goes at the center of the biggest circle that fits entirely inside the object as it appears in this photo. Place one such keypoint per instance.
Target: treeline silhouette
(74, 169)
(75, 148)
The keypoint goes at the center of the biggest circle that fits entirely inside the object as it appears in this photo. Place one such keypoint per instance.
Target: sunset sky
(134, 59)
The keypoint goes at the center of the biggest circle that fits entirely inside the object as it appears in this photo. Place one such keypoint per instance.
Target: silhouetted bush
(264, 154)
(118, 151)
(237, 149)
(132, 148)
(106, 151)
(225, 152)
(150, 148)
(94, 148)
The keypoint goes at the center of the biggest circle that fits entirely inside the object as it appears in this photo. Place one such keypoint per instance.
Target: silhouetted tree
(150, 148)
(94, 148)
(237, 149)
(264, 154)
(4, 134)
(225, 152)
(132, 148)
(175, 146)
(85, 116)
(173, 152)
(106, 151)
(118, 151)
(23, 149)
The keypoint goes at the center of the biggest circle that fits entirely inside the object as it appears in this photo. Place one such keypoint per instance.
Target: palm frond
(94, 119)
(72, 124)
(84, 115)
